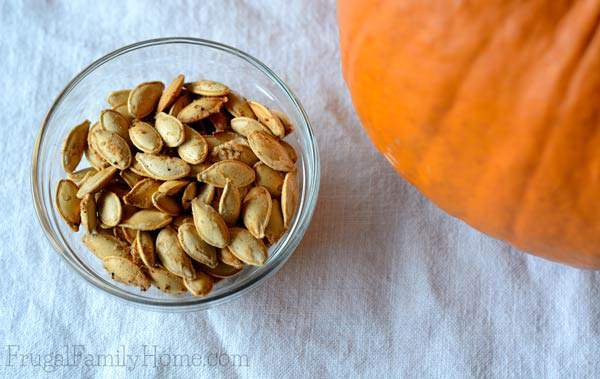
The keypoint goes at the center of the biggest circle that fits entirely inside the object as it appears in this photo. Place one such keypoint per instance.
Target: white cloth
(384, 284)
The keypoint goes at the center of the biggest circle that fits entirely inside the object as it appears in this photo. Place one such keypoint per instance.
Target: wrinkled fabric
(384, 284)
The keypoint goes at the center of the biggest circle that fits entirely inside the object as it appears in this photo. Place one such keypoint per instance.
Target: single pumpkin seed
(210, 225)
(247, 248)
(145, 137)
(179, 104)
(143, 99)
(104, 245)
(171, 254)
(133, 251)
(195, 246)
(166, 281)
(229, 259)
(74, 146)
(92, 154)
(125, 271)
(189, 193)
(163, 167)
(237, 106)
(79, 176)
(256, 211)
(219, 121)
(218, 138)
(235, 149)
(147, 219)
(115, 122)
(130, 177)
(116, 98)
(268, 149)
(275, 228)
(145, 248)
(124, 111)
(230, 203)
(137, 168)
(171, 93)
(267, 118)
(165, 203)
(113, 148)
(89, 219)
(289, 197)
(170, 129)
(141, 194)
(246, 125)
(201, 108)
(238, 172)
(290, 150)
(68, 204)
(195, 148)
(206, 194)
(97, 181)
(271, 179)
(172, 187)
(110, 210)
(285, 121)
(221, 271)
(207, 88)
(201, 286)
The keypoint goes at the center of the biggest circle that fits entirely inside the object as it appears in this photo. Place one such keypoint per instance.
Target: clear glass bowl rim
(294, 236)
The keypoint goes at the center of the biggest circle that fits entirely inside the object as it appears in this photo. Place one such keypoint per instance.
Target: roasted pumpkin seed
(237, 106)
(141, 194)
(97, 181)
(210, 225)
(275, 228)
(267, 118)
(115, 122)
(147, 219)
(172, 187)
(200, 286)
(165, 203)
(285, 121)
(145, 137)
(247, 248)
(125, 271)
(290, 150)
(143, 99)
(207, 88)
(201, 108)
(195, 246)
(88, 213)
(189, 193)
(110, 210)
(163, 167)
(170, 129)
(117, 98)
(179, 104)
(230, 203)
(238, 172)
(268, 149)
(221, 271)
(246, 125)
(166, 281)
(74, 146)
(218, 138)
(289, 197)
(130, 177)
(256, 211)
(145, 248)
(195, 148)
(171, 93)
(104, 245)
(171, 254)
(68, 204)
(112, 147)
(271, 179)
(206, 194)
(235, 149)
(78, 177)
(229, 259)
(124, 111)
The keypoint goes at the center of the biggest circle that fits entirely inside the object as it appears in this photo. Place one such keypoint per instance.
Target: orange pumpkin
(491, 109)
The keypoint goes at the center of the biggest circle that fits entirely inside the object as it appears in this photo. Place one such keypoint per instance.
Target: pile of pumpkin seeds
(187, 184)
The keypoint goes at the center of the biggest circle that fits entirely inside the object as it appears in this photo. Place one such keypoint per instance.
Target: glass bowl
(162, 59)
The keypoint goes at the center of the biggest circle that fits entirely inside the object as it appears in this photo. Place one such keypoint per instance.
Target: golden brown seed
(268, 149)
(210, 225)
(163, 167)
(94, 158)
(166, 281)
(97, 181)
(137, 168)
(104, 245)
(256, 211)
(206, 194)
(238, 172)
(74, 146)
(130, 177)
(165, 203)
(112, 147)
(141, 194)
(170, 129)
(145, 247)
(195, 148)
(171, 93)
(110, 210)
(78, 177)
(290, 150)
(275, 227)
(236, 149)
(201, 286)
(230, 204)
(221, 271)
(117, 98)
(147, 219)
(229, 259)
(196, 247)
(237, 106)
(88, 213)
(125, 271)
(128, 234)
(201, 108)
(172, 187)
(218, 138)
(145, 137)
(68, 204)
(247, 248)
(267, 118)
(143, 99)
(182, 219)
(271, 179)
(172, 256)
(189, 193)
(246, 125)
(289, 197)
(115, 122)
(124, 111)
(285, 121)
(179, 104)
(207, 88)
